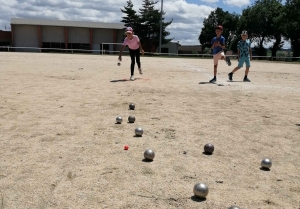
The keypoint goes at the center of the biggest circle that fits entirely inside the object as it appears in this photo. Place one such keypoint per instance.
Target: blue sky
(226, 7)
(188, 15)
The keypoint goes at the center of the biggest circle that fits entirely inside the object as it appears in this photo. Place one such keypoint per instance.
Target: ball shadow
(198, 199)
(137, 136)
(205, 153)
(264, 169)
(147, 161)
(118, 123)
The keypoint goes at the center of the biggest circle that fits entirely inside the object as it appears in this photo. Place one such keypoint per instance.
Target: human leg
(247, 61)
(132, 56)
(216, 58)
(240, 65)
(138, 61)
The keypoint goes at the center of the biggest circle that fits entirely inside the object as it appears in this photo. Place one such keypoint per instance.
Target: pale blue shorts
(243, 60)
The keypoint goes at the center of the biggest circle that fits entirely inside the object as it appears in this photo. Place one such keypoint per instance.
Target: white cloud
(187, 18)
(210, 1)
(237, 3)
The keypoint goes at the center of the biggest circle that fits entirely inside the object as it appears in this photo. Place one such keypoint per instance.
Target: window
(52, 47)
(164, 50)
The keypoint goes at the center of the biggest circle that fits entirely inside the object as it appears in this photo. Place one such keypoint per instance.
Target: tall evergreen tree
(146, 24)
(150, 25)
(131, 19)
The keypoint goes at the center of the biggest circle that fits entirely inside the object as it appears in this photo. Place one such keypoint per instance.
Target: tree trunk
(296, 49)
(276, 45)
(261, 48)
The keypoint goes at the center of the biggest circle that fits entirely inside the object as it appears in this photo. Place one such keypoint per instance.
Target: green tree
(234, 42)
(131, 19)
(149, 31)
(146, 24)
(219, 17)
(292, 25)
(263, 21)
(253, 24)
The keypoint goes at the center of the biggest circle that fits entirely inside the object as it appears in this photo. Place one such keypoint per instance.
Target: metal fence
(109, 52)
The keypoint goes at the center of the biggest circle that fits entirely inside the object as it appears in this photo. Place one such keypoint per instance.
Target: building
(190, 49)
(65, 34)
(170, 48)
(5, 39)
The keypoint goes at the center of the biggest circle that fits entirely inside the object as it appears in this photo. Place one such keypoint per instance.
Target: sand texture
(60, 146)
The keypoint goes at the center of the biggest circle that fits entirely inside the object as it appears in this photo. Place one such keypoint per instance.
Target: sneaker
(246, 80)
(213, 80)
(230, 76)
(227, 59)
(140, 69)
(132, 78)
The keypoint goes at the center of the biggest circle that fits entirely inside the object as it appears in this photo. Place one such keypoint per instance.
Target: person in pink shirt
(135, 47)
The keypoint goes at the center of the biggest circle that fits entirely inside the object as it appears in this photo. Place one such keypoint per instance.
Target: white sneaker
(132, 78)
(140, 69)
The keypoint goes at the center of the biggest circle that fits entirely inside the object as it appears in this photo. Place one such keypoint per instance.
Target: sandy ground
(60, 146)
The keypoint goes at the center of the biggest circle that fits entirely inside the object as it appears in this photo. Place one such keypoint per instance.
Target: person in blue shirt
(218, 46)
(244, 55)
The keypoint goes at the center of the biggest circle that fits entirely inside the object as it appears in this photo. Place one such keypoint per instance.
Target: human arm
(238, 52)
(250, 52)
(213, 45)
(221, 43)
(121, 51)
(141, 48)
(213, 42)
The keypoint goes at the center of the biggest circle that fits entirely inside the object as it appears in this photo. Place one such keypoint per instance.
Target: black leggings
(134, 53)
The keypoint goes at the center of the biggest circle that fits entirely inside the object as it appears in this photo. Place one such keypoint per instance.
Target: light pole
(160, 32)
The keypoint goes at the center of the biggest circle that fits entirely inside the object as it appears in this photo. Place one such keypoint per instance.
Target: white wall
(79, 35)
(53, 34)
(103, 36)
(172, 46)
(25, 36)
(120, 36)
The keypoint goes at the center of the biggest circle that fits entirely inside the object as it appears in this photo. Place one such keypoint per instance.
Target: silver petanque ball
(234, 207)
(139, 131)
(200, 190)
(149, 154)
(266, 163)
(131, 106)
(131, 119)
(119, 119)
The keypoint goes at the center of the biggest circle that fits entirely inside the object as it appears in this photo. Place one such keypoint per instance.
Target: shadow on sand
(120, 80)
(197, 199)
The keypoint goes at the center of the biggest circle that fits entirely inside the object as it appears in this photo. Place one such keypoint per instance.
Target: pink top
(133, 43)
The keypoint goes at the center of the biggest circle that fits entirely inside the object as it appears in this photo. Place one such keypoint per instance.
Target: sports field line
(241, 84)
(208, 75)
